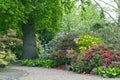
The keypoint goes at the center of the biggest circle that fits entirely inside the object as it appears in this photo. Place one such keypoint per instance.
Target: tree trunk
(29, 42)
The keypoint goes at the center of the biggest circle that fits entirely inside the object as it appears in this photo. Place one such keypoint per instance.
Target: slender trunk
(29, 42)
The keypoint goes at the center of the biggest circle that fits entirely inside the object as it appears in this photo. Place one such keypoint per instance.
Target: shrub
(111, 35)
(5, 58)
(87, 41)
(60, 57)
(58, 46)
(77, 55)
(8, 45)
(39, 48)
(76, 67)
(97, 56)
(9, 42)
(53, 45)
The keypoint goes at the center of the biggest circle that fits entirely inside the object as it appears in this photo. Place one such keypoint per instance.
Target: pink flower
(69, 51)
(75, 39)
(104, 65)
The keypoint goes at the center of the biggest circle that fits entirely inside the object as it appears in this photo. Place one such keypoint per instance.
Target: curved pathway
(35, 73)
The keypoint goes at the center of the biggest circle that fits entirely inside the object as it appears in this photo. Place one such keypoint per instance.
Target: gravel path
(35, 73)
(11, 74)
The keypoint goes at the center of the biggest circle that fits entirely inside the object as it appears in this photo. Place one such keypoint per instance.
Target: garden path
(35, 73)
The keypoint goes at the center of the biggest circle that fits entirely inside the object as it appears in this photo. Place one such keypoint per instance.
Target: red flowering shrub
(97, 56)
(60, 57)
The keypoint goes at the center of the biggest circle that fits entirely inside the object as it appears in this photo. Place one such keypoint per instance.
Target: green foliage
(47, 19)
(12, 14)
(68, 5)
(85, 15)
(75, 67)
(40, 63)
(39, 47)
(111, 35)
(89, 14)
(44, 15)
(108, 72)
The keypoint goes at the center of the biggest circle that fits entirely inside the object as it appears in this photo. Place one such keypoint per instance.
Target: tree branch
(107, 4)
(106, 12)
(117, 2)
(111, 17)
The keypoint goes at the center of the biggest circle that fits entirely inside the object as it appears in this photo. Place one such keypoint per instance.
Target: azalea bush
(99, 55)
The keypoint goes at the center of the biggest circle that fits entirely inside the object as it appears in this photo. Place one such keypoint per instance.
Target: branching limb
(105, 12)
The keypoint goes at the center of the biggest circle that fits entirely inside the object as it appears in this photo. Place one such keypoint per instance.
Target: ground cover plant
(40, 63)
(108, 72)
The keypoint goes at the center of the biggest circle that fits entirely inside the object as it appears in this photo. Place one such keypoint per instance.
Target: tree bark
(29, 42)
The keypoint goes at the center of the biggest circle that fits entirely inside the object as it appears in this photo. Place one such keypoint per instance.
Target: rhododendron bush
(99, 55)
(91, 52)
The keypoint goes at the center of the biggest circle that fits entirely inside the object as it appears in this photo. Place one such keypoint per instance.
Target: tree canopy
(42, 15)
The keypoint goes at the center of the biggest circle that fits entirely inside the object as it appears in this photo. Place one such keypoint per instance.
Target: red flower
(109, 59)
(93, 48)
(101, 52)
(88, 57)
(59, 56)
(107, 54)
